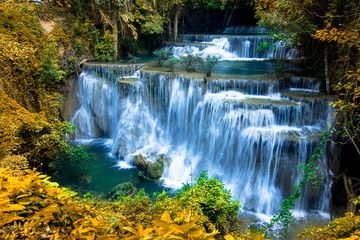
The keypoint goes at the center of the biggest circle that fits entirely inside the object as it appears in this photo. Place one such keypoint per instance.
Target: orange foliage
(32, 207)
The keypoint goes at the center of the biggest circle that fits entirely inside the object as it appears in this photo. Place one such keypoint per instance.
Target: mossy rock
(140, 162)
(122, 190)
(155, 169)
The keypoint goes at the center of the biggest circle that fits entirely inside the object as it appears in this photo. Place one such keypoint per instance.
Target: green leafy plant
(189, 62)
(104, 48)
(209, 196)
(77, 155)
(207, 64)
(170, 63)
(162, 55)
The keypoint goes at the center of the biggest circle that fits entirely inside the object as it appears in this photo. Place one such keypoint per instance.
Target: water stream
(249, 131)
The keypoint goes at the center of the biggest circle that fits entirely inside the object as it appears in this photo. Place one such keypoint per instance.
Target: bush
(32, 207)
(344, 228)
(189, 62)
(104, 48)
(210, 197)
(170, 63)
(207, 64)
(162, 56)
(121, 190)
(77, 155)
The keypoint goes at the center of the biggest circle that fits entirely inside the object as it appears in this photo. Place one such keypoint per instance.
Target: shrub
(189, 62)
(32, 207)
(104, 48)
(344, 228)
(170, 63)
(162, 55)
(210, 197)
(207, 64)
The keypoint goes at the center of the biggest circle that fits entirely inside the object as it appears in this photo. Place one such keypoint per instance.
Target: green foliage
(156, 169)
(77, 155)
(49, 71)
(264, 47)
(170, 63)
(104, 48)
(148, 18)
(207, 64)
(210, 197)
(121, 190)
(189, 62)
(162, 56)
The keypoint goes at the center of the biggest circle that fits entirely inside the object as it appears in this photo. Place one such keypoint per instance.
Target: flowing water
(250, 131)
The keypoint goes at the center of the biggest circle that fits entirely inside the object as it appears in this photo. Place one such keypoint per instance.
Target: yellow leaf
(14, 207)
(166, 217)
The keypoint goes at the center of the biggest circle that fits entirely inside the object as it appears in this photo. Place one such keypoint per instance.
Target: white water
(245, 133)
(231, 47)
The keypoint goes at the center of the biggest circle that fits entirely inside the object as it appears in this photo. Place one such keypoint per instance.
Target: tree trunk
(349, 194)
(327, 73)
(176, 21)
(116, 39)
(170, 29)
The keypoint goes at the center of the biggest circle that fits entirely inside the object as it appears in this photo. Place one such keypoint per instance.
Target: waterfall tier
(229, 47)
(244, 30)
(250, 134)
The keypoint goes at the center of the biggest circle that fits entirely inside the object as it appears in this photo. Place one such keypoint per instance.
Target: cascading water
(230, 47)
(242, 46)
(250, 134)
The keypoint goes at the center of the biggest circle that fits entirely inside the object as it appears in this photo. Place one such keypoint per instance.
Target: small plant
(264, 47)
(133, 58)
(170, 63)
(213, 200)
(207, 64)
(104, 48)
(162, 55)
(78, 155)
(189, 62)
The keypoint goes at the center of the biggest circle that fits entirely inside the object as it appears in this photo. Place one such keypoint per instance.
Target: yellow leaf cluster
(32, 207)
(344, 228)
(182, 227)
(345, 37)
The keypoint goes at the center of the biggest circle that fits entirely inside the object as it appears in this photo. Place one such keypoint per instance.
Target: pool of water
(103, 174)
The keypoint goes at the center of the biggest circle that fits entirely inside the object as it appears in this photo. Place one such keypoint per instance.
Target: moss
(152, 67)
(190, 43)
(306, 95)
(128, 80)
(156, 169)
(261, 101)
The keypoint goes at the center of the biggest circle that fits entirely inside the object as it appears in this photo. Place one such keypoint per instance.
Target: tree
(118, 15)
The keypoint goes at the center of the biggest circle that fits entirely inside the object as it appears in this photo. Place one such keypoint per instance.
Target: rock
(150, 170)
(140, 162)
(122, 190)
(156, 169)
(85, 179)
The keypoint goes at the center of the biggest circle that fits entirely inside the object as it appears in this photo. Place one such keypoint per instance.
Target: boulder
(150, 170)
(140, 162)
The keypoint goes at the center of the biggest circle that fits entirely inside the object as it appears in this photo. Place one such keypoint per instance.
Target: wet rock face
(149, 169)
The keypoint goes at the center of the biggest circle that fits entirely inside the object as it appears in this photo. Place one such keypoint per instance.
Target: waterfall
(250, 134)
(244, 30)
(230, 47)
